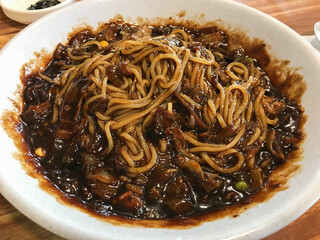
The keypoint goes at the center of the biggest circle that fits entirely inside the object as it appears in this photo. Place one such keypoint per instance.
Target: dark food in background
(75, 158)
(43, 4)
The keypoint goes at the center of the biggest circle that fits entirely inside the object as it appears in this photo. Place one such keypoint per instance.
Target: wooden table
(297, 14)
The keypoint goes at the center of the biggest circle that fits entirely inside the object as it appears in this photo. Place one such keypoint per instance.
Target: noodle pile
(158, 67)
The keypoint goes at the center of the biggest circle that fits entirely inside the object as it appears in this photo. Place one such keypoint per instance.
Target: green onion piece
(218, 183)
(241, 185)
(249, 60)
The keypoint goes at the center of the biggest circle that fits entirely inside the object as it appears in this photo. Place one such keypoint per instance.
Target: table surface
(297, 14)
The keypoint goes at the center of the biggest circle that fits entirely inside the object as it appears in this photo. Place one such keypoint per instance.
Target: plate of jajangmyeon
(157, 119)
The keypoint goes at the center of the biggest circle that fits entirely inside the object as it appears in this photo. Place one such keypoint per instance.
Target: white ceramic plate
(23, 191)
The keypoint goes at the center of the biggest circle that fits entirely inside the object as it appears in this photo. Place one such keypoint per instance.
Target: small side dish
(28, 11)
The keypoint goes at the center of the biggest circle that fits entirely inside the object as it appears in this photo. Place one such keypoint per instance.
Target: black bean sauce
(66, 152)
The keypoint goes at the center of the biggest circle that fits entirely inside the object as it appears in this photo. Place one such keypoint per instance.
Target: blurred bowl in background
(17, 9)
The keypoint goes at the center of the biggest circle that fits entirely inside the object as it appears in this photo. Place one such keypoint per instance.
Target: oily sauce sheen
(74, 157)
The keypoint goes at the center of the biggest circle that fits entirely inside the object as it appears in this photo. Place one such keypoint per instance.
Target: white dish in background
(17, 9)
(258, 221)
(313, 41)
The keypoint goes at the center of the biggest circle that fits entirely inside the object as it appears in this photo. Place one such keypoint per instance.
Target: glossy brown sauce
(277, 182)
